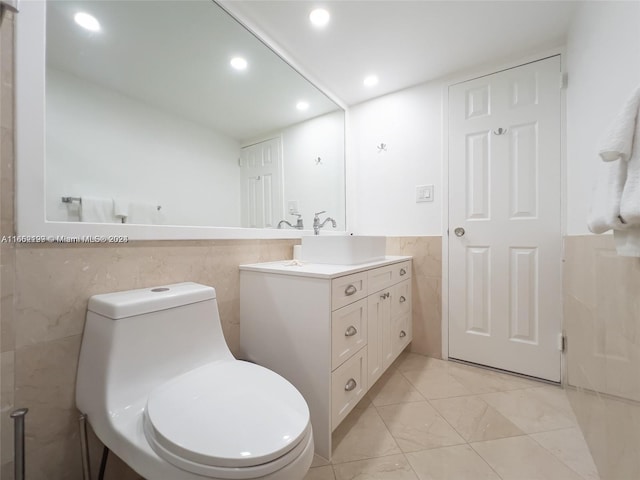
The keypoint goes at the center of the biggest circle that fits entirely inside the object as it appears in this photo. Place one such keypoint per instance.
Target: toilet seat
(227, 419)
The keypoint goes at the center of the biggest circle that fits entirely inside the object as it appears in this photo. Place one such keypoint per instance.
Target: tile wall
(602, 324)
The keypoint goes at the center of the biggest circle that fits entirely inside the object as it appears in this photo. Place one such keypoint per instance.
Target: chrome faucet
(317, 225)
(299, 225)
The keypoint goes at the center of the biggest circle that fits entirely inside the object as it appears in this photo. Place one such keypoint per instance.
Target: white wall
(409, 122)
(101, 143)
(315, 187)
(603, 63)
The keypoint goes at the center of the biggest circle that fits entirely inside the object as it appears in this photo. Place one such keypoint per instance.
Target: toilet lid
(227, 414)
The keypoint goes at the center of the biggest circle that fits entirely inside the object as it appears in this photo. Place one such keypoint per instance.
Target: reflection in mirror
(171, 112)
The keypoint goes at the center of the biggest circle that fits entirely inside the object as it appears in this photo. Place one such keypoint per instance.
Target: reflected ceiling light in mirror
(302, 105)
(370, 80)
(86, 21)
(239, 63)
(319, 17)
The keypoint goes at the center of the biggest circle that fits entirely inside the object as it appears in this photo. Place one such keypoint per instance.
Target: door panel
(504, 187)
(261, 184)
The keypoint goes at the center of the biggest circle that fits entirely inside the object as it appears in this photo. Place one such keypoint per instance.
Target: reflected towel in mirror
(144, 214)
(97, 210)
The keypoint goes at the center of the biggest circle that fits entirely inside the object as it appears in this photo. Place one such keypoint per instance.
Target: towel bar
(79, 200)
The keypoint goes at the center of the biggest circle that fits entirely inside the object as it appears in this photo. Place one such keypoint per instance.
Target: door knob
(459, 232)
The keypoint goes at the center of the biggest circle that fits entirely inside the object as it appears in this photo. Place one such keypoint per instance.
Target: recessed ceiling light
(370, 80)
(319, 17)
(302, 105)
(239, 63)
(87, 21)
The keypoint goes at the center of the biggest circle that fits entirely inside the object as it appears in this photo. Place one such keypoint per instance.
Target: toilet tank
(135, 340)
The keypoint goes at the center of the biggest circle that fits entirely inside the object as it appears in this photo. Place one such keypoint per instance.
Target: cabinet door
(378, 333)
(401, 333)
(401, 298)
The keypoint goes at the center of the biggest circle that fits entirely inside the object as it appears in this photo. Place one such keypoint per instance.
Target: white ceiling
(404, 42)
(174, 56)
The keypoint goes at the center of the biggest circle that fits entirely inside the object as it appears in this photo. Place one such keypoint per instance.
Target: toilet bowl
(161, 389)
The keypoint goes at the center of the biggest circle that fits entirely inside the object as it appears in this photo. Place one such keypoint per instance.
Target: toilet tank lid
(146, 300)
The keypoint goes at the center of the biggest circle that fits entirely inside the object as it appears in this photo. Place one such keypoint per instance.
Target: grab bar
(18, 440)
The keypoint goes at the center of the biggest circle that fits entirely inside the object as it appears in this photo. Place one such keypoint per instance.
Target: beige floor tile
(459, 462)
(521, 458)
(392, 388)
(417, 426)
(532, 410)
(475, 419)
(557, 397)
(320, 473)
(318, 461)
(569, 446)
(362, 435)
(482, 380)
(394, 467)
(413, 361)
(435, 383)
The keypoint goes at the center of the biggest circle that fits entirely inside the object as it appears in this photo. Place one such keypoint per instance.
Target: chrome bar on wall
(18, 439)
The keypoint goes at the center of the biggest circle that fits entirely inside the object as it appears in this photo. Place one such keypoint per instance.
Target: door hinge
(564, 80)
(562, 343)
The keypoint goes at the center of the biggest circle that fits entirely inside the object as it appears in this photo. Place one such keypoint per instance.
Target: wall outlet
(424, 193)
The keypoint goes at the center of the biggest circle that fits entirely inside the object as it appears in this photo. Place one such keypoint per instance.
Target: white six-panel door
(505, 221)
(262, 204)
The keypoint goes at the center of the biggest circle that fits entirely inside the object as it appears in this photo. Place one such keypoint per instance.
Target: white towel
(616, 151)
(605, 204)
(143, 214)
(120, 209)
(630, 201)
(97, 210)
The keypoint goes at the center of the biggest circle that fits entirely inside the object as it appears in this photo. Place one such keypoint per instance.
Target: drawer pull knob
(350, 290)
(402, 299)
(403, 333)
(403, 272)
(351, 331)
(351, 385)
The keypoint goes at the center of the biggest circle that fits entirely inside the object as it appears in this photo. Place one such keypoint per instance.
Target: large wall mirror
(162, 119)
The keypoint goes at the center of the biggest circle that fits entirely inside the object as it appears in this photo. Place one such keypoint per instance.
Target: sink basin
(343, 249)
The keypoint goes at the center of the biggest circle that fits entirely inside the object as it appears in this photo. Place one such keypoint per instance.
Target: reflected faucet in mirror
(299, 225)
(317, 225)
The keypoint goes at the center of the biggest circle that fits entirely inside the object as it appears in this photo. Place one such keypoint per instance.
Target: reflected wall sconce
(382, 147)
(318, 161)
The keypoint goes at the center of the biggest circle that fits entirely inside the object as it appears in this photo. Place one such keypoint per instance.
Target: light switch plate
(424, 193)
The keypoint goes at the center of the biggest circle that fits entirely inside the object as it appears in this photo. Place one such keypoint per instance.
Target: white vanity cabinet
(331, 330)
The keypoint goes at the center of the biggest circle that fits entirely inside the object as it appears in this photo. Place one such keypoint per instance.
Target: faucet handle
(320, 213)
(298, 214)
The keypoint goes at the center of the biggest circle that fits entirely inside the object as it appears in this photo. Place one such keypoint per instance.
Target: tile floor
(427, 419)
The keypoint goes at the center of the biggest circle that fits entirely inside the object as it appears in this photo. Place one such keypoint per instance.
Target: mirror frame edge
(29, 206)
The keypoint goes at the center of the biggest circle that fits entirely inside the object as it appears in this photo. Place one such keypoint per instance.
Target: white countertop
(318, 270)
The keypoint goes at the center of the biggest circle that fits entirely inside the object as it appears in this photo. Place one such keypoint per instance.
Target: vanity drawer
(348, 331)
(401, 298)
(401, 271)
(401, 334)
(348, 289)
(348, 386)
(380, 278)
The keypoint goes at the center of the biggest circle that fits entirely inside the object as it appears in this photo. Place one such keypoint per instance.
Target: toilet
(161, 390)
